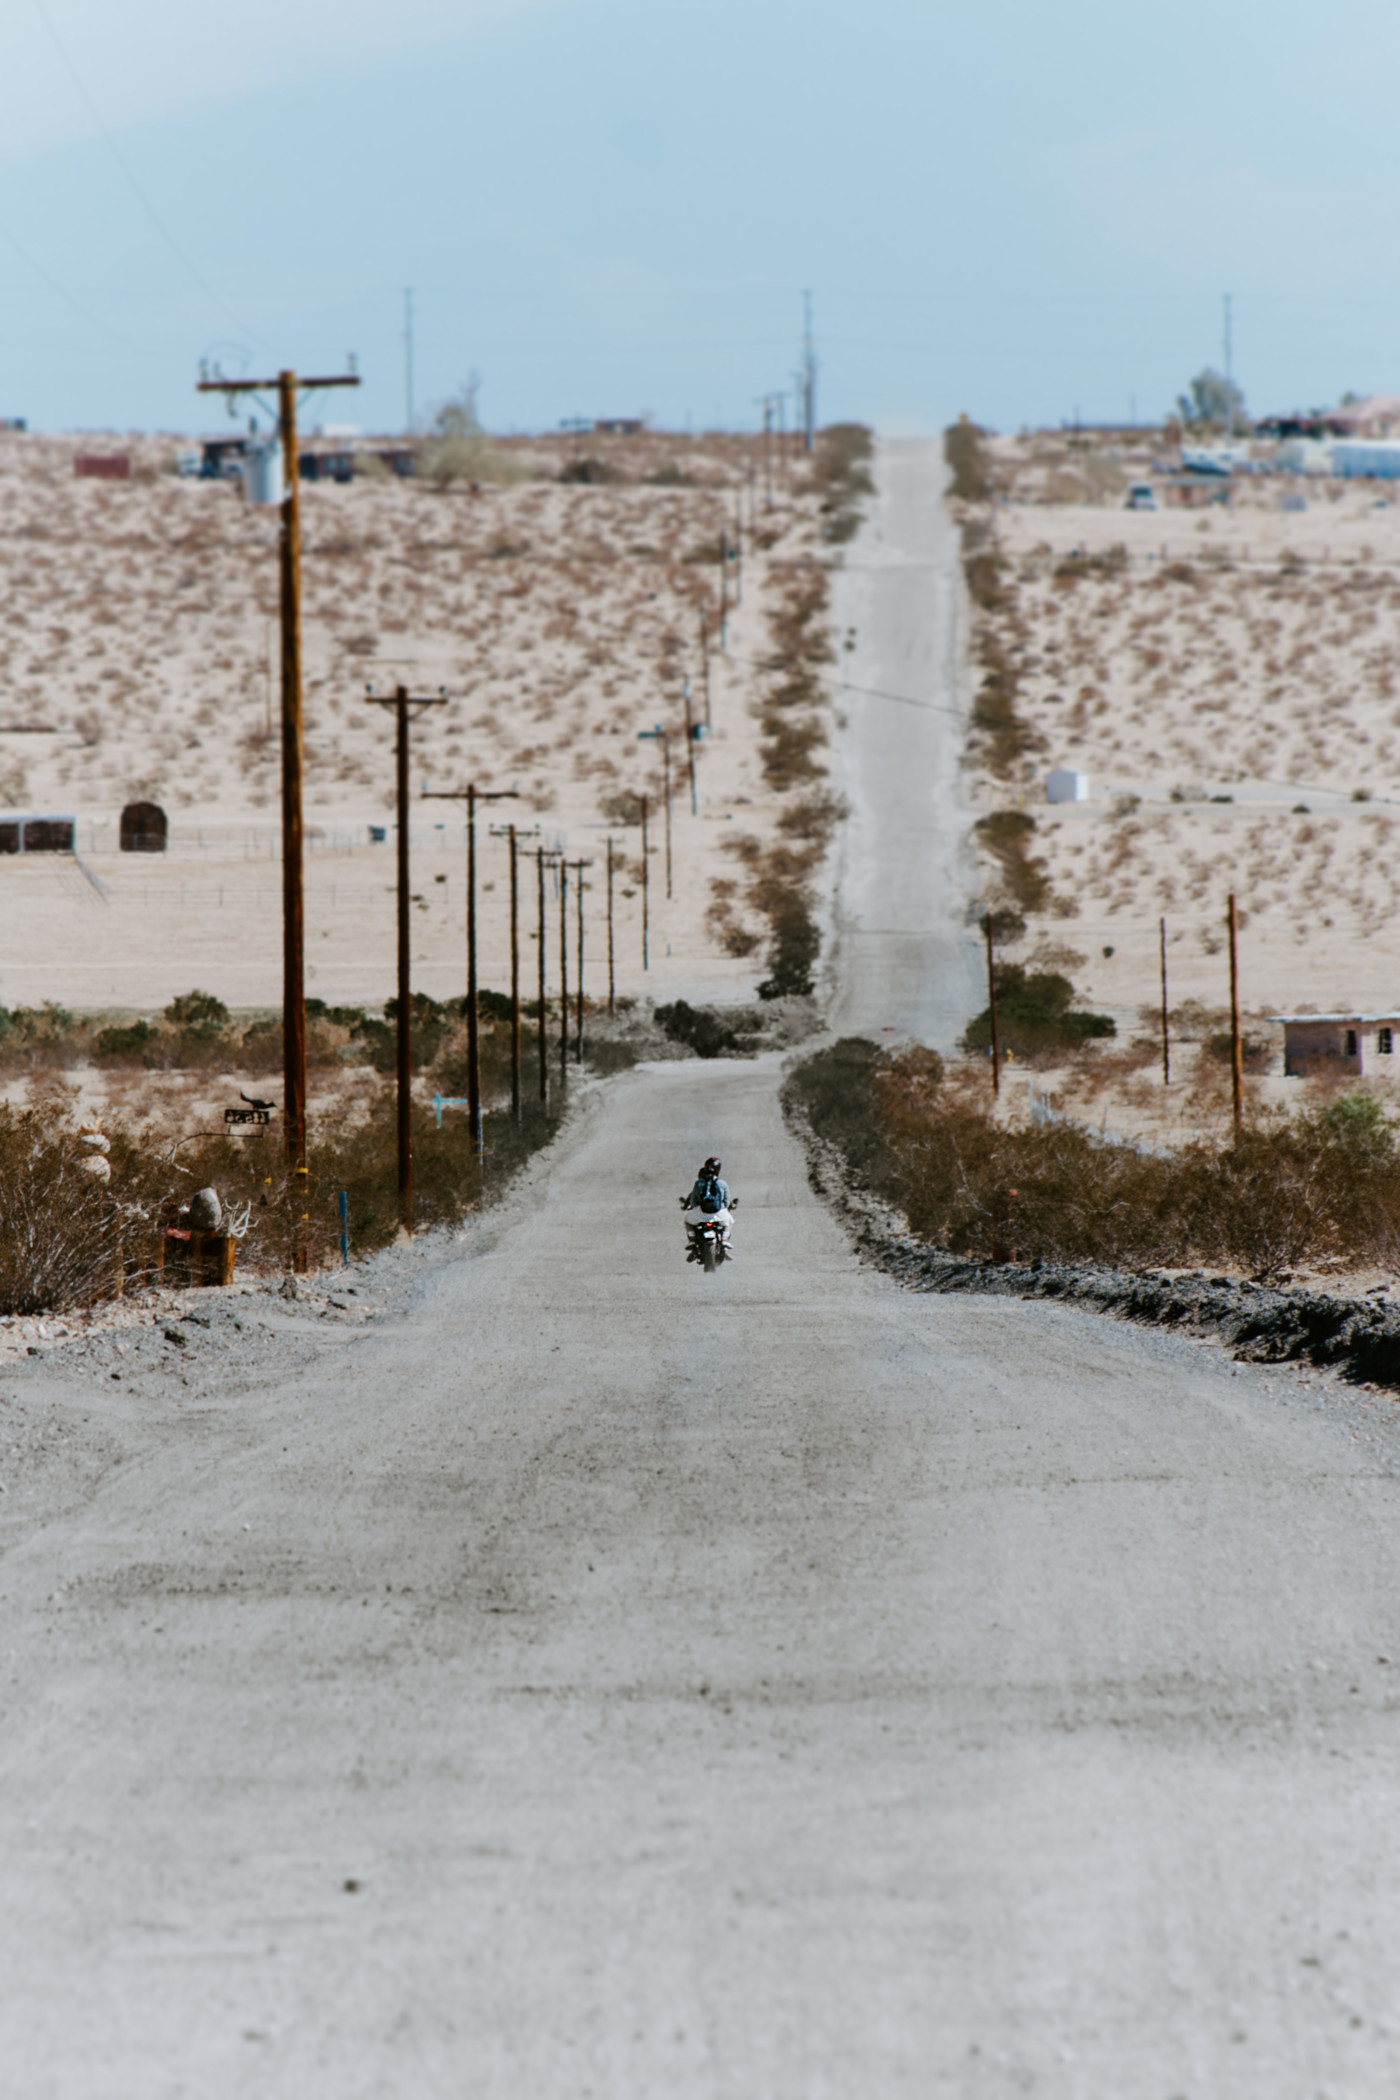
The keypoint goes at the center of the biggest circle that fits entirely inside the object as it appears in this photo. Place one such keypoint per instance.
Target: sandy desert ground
(138, 660)
(1226, 676)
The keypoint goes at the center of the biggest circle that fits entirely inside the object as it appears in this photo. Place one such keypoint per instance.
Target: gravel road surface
(577, 1676)
(532, 1669)
(904, 958)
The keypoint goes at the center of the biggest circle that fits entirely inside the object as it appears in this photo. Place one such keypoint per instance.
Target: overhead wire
(137, 189)
(61, 291)
(846, 685)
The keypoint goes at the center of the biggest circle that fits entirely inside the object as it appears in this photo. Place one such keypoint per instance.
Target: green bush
(964, 448)
(1276, 1196)
(125, 1045)
(1035, 1012)
(197, 1014)
(589, 473)
(697, 1027)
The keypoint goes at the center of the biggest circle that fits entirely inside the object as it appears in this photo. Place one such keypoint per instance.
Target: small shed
(25, 834)
(1358, 1043)
(103, 466)
(1066, 785)
(144, 828)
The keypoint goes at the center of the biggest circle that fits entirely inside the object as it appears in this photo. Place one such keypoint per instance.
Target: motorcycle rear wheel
(707, 1257)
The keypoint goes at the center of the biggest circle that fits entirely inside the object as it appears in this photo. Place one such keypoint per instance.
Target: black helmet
(711, 1166)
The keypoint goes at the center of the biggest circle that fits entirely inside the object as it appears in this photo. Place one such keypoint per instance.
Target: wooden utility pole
(293, 826)
(578, 866)
(286, 386)
(1166, 1038)
(705, 663)
(663, 737)
(646, 917)
(1236, 1047)
(992, 1007)
(690, 749)
(563, 971)
(540, 1030)
(512, 832)
(471, 794)
(514, 982)
(401, 700)
(612, 978)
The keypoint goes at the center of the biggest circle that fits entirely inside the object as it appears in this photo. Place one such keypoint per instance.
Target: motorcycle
(708, 1238)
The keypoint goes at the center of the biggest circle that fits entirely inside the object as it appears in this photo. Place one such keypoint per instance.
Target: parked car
(1142, 496)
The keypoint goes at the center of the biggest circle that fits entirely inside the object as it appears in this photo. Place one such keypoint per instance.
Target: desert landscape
(138, 652)
(1224, 674)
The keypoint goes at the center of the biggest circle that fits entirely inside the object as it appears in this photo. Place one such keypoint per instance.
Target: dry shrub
(1318, 1191)
(841, 474)
(69, 1239)
(63, 1232)
(965, 450)
(1006, 834)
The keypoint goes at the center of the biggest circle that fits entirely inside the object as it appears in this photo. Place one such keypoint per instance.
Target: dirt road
(769, 1685)
(904, 957)
(542, 1671)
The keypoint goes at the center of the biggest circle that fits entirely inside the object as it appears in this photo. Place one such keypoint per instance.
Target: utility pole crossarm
(266, 386)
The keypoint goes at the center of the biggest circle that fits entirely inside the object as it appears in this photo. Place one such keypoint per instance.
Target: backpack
(709, 1196)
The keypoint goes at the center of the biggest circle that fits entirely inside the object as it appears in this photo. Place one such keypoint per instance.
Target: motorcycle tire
(707, 1257)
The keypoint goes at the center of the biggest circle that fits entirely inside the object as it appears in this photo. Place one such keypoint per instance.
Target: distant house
(221, 458)
(1378, 416)
(103, 466)
(328, 464)
(1356, 1043)
(619, 426)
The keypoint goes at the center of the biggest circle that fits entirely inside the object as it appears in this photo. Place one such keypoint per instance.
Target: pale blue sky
(607, 206)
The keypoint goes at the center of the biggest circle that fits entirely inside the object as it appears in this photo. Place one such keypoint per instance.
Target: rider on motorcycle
(710, 1198)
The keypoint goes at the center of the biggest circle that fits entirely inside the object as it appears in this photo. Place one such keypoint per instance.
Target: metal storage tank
(262, 471)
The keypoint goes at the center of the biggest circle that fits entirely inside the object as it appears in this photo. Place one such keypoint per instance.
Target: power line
(75, 306)
(119, 157)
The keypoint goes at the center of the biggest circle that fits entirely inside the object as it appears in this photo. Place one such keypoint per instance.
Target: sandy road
(587, 1678)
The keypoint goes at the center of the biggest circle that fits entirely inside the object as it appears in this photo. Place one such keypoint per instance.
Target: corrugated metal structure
(1370, 458)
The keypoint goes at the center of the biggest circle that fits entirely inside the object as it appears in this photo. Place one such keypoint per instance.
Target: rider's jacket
(711, 1193)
